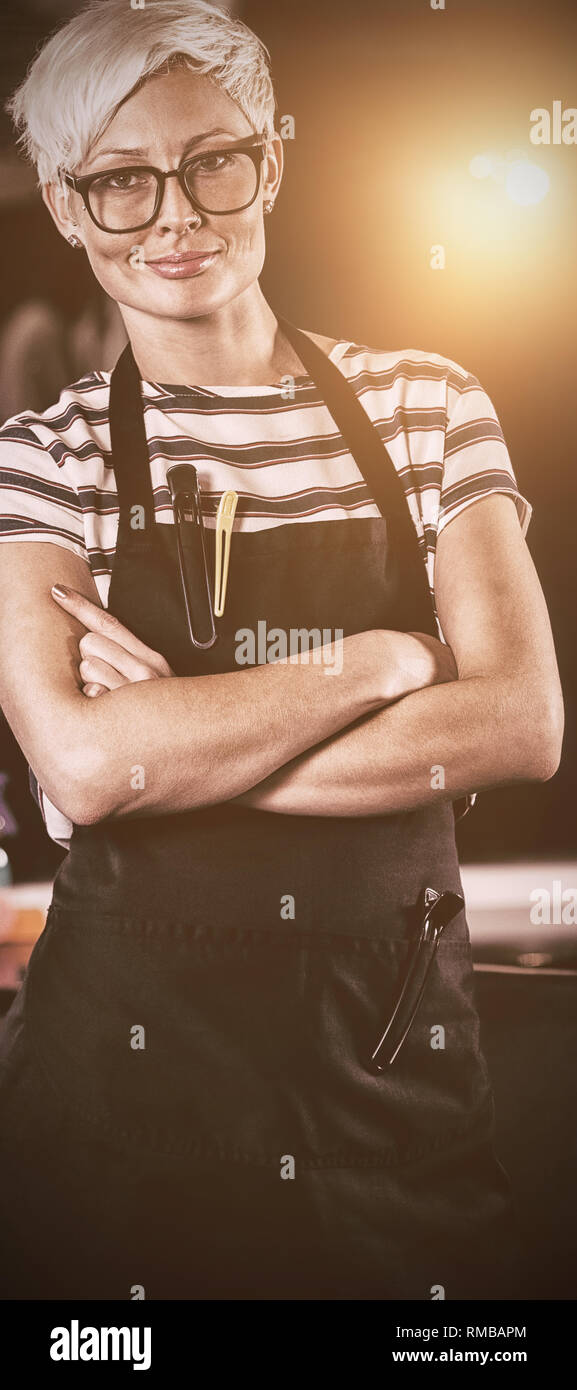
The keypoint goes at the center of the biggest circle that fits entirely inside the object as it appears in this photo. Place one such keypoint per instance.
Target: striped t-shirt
(276, 445)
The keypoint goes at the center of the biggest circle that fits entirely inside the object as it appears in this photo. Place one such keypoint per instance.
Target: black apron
(192, 1044)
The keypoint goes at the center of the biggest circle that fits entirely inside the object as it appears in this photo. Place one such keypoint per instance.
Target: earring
(76, 243)
(268, 206)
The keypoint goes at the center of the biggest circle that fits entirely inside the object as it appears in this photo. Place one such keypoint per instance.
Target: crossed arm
(500, 721)
(405, 721)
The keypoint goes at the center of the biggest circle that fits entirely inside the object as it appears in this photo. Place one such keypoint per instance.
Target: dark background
(391, 100)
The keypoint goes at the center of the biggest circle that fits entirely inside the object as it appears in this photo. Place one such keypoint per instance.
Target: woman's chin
(176, 299)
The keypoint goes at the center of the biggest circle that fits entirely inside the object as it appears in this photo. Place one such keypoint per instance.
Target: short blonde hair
(90, 65)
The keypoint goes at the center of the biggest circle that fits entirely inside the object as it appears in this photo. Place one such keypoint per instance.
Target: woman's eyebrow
(136, 150)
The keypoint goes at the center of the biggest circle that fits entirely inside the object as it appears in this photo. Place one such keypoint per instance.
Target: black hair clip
(182, 480)
(438, 910)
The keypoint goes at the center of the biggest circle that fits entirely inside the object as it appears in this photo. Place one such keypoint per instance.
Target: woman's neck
(240, 345)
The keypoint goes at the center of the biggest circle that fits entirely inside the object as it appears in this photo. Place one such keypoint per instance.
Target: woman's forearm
(436, 744)
(180, 743)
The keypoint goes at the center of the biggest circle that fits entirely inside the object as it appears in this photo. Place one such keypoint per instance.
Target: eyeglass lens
(219, 182)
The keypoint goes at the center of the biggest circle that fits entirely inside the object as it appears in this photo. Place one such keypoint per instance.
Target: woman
(196, 1096)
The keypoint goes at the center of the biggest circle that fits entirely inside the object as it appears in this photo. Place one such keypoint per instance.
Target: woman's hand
(110, 654)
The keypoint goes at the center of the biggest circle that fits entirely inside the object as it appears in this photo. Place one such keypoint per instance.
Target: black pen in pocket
(182, 480)
(438, 910)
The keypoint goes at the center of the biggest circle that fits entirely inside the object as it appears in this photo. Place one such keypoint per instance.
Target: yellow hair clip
(224, 521)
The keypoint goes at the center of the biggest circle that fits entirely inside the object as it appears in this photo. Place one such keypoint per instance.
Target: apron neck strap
(130, 459)
(376, 466)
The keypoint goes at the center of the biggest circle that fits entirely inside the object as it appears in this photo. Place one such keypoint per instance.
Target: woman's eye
(208, 163)
(120, 182)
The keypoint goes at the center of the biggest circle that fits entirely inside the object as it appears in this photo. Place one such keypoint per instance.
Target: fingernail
(61, 590)
(91, 690)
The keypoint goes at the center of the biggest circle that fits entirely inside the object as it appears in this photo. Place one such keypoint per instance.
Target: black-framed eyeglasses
(129, 198)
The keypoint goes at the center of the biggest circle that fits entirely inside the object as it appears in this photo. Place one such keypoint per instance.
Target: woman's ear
(274, 163)
(57, 200)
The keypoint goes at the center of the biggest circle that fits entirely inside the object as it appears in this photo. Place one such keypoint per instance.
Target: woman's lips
(183, 268)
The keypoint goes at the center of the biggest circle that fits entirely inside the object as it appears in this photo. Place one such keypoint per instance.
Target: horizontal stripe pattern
(278, 447)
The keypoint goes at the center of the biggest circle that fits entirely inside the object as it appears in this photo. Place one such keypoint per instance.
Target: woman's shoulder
(82, 401)
(404, 361)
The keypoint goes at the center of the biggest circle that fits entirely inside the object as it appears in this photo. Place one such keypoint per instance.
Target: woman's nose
(175, 207)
